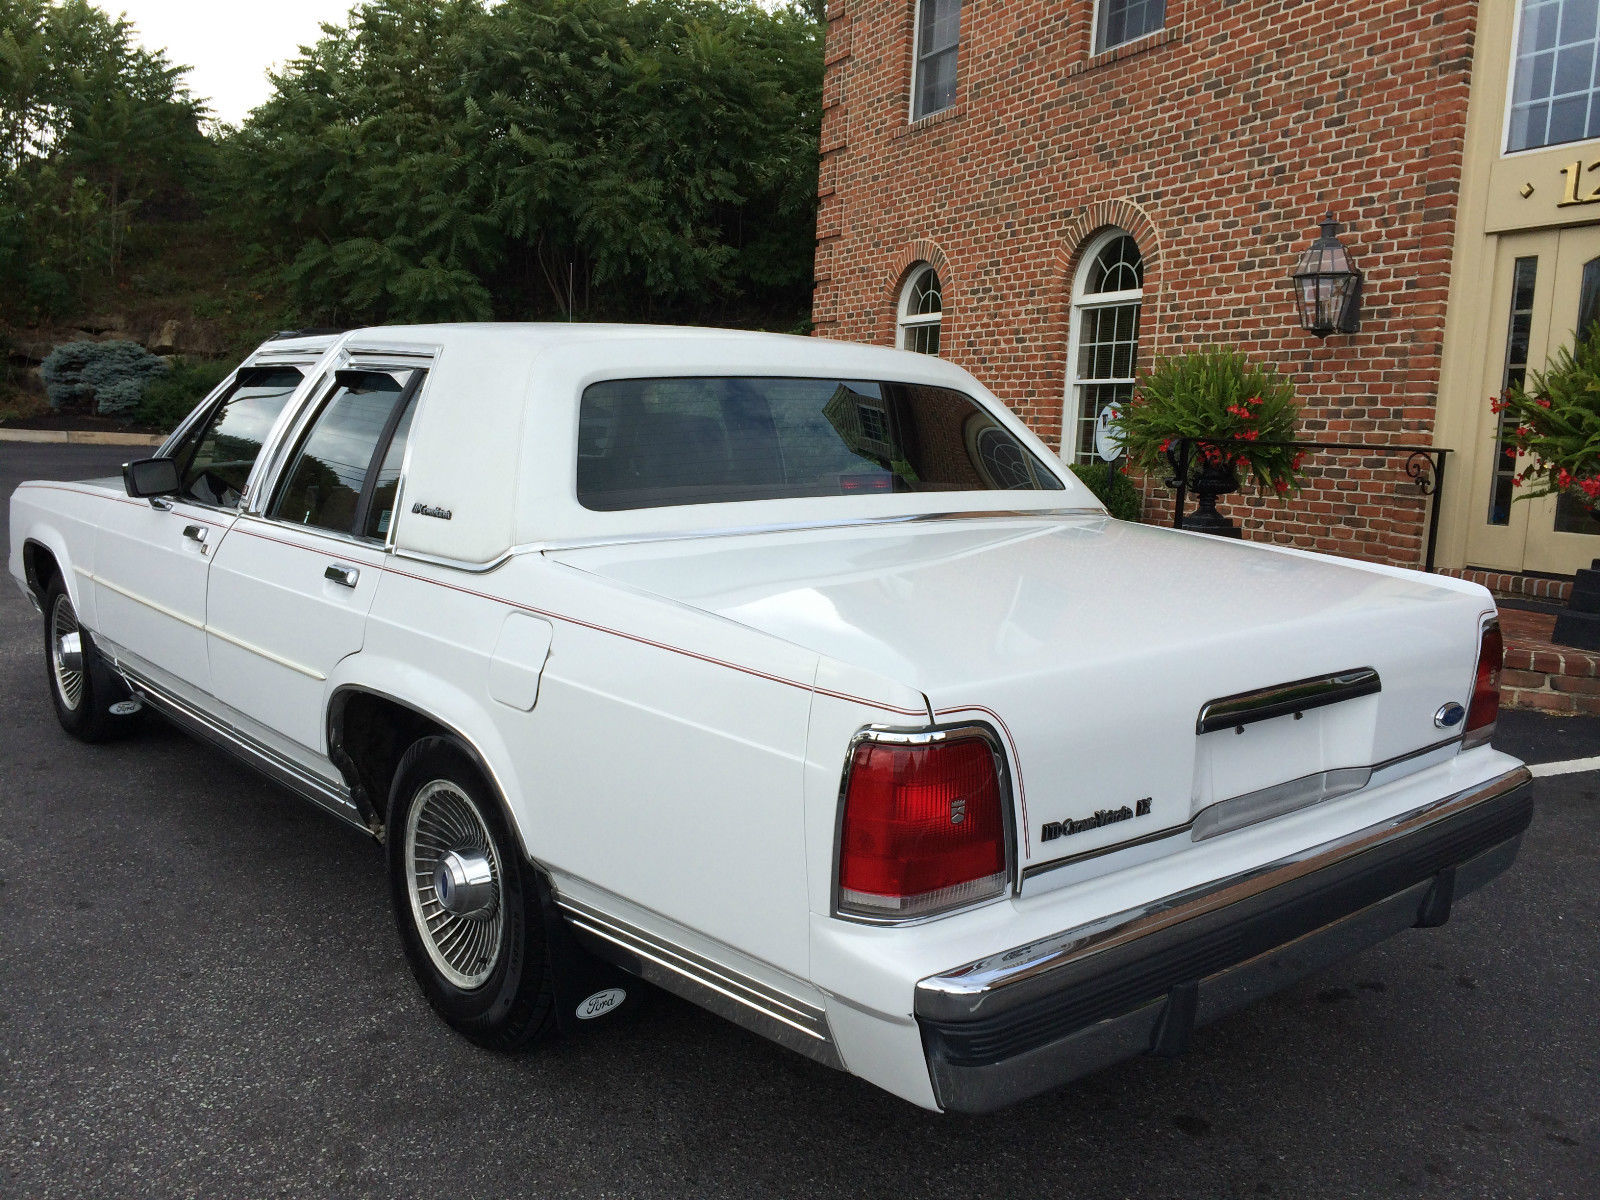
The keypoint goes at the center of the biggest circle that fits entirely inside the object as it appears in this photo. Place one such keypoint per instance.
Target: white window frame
(912, 114)
(1517, 7)
(1072, 410)
(907, 321)
(1094, 30)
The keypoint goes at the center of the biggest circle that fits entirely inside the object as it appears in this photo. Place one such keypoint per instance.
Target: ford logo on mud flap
(599, 1004)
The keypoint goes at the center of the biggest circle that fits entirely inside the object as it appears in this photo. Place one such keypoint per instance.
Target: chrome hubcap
(66, 652)
(464, 884)
(453, 874)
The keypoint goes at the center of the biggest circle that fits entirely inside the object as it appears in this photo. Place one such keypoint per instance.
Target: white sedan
(796, 677)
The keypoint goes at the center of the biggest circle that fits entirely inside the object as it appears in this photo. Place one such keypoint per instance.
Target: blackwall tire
(476, 945)
(82, 687)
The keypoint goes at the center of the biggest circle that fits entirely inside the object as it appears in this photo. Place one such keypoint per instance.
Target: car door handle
(342, 575)
(195, 533)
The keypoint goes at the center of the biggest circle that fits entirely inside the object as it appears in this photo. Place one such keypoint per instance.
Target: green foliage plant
(1121, 498)
(105, 378)
(1553, 421)
(1241, 415)
(170, 398)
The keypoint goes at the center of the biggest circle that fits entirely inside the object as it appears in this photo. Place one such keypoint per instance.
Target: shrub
(170, 399)
(1121, 498)
(1553, 421)
(106, 378)
(1240, 413)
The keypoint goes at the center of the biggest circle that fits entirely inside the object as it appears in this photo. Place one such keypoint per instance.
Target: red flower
(1511, 451)
(1542, 402)
(1591, 487)
(1563, 479)
(1299, 457)
(1496, 405)
(1250, 435)
(1166, 445)
(1282, 486)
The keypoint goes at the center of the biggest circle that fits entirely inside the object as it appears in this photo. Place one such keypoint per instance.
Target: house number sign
(1573, 172)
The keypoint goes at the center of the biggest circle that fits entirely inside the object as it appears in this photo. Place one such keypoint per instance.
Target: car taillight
(923, 828)
(1484, 710)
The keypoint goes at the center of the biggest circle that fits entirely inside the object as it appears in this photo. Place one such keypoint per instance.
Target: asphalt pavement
(201, 994)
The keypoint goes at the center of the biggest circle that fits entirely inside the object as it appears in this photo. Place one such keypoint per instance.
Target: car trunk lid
(1138, 676)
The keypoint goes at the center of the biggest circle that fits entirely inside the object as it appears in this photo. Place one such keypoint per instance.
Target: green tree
(439, 159)
(92, 128)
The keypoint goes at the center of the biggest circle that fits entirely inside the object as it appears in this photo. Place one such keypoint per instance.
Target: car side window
(345, 474)
(215, 462)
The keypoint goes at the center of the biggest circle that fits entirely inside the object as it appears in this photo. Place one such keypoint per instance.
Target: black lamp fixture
(1328, 286)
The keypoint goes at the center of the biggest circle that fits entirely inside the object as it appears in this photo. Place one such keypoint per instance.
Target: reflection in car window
(380, 515)
(217, 468)
(324, 483)
(647, 443)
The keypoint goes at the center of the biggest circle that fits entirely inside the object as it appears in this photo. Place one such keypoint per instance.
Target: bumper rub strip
(1025, 971)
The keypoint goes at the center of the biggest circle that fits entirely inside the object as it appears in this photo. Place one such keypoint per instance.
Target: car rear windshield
(654, 443)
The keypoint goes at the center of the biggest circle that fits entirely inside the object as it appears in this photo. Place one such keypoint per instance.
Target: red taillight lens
(1484, 710)
(923, 828)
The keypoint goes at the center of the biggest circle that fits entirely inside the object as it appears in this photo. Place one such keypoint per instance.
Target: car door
(292, 583)
(152, 557)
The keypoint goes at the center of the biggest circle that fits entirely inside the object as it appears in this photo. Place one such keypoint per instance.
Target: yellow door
(1540, 283)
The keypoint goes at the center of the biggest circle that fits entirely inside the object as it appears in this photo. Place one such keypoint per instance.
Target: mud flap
(589, 992)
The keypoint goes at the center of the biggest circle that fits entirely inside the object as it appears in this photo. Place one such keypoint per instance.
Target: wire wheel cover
(66, 656)
(443, 819)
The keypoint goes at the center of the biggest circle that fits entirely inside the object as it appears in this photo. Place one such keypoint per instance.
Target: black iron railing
(1424, 464)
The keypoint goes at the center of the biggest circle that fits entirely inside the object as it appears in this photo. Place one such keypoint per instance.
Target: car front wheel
(466, 903)
(91, 703)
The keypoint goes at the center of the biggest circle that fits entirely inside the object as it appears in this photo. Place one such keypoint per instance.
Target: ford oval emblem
(1449, 716)
(599, 1004)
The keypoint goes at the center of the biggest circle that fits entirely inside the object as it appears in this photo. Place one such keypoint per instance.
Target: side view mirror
(151, 477)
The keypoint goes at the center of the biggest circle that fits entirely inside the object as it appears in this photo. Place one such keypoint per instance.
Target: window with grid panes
(1108, 297)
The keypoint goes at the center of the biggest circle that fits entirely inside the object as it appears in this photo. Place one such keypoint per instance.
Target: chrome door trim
(962, 990)
(1281, 699)
(325, 794)
(788, 1020)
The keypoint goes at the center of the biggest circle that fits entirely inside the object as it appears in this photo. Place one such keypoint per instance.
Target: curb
(80, 437)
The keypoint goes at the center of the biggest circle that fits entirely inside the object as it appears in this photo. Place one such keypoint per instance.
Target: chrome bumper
(1034, 1017)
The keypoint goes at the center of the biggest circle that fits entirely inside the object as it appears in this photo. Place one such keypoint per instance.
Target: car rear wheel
(84, 689)
(465, 901)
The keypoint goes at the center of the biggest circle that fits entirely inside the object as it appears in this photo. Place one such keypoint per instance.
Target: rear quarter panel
(663, 761)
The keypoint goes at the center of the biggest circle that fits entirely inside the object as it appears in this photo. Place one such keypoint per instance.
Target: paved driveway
(201, 994)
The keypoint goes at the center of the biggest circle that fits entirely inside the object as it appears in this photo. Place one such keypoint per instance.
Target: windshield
(654, 443)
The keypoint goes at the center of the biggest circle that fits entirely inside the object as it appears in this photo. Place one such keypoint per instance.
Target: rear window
(656, 443)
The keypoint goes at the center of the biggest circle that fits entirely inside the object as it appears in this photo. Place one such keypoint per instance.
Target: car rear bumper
(1019, 1023)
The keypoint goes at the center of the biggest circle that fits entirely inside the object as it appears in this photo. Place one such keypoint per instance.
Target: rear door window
(650, 443)
(345, 474)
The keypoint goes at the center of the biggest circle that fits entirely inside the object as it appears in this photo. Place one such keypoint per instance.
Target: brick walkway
(1544, 676)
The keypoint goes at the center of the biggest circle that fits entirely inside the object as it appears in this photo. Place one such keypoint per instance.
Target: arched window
(921, 310)
(1103, 351)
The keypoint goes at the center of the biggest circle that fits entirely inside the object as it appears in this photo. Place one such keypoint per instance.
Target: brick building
(1051, 192)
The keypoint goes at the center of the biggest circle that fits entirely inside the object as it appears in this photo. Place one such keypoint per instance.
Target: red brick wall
(1218, 144)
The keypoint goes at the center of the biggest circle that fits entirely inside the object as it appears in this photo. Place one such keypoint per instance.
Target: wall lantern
(1328, 286)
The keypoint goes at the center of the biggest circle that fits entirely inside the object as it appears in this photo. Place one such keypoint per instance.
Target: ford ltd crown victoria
(795, 677)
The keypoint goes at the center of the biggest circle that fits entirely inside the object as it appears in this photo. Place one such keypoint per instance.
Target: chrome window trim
(784, 1018)
(963, 991)
(1243, 799)
(1281, 699)
(925, 736)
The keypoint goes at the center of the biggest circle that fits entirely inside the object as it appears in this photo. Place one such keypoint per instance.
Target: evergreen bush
(1121, 498)
(104, 378)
